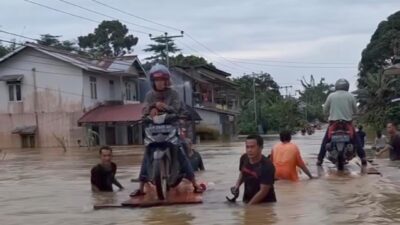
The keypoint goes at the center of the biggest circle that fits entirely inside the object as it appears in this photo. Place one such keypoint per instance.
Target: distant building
(212, 94)
(45, 91)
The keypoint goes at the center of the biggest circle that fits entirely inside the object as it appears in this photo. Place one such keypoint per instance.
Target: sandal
(136, 193)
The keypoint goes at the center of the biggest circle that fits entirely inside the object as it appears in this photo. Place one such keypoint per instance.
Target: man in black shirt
(394, 144)
(194, 157)
(257, 172)
(103, 174)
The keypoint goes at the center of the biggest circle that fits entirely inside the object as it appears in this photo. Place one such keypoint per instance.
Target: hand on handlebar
(161, 106)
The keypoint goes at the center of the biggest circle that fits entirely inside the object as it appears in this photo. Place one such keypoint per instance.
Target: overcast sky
(287, 38)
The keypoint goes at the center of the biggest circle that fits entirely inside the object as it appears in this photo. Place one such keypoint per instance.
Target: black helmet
(342, 84)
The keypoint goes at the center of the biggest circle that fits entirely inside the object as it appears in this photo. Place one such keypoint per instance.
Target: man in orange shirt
(286, 157)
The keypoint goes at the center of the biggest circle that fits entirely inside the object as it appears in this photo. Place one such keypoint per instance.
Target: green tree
(375, 99)
(273, 111)
(3, 50)
(53, 41)
(110, 38)
(159, 49)
(313, 97)
(379, 51)
(190, 60)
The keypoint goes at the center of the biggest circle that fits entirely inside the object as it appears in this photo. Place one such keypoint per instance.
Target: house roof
(392, 70)
(105, 65)
(16, 77)
(113, 113)
(24, 130)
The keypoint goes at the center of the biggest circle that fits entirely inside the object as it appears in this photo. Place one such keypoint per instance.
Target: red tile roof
(113, 113)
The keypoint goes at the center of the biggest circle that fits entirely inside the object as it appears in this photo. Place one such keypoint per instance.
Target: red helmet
(159, 72)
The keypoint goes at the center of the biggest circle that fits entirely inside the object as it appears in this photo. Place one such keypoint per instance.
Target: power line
(191, 37)
(136, 16)
(290, 66)
(293, 62)
(71, 14)
(111, 17)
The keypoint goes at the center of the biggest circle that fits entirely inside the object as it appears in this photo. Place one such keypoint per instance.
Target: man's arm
(115, 181)
(306, 171)
(301, 164)
(239, 181)
(261, 194)
(385, 149)
(327, 105)
(95, 188)
(148, 104)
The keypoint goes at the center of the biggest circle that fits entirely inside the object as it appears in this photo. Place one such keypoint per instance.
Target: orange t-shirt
(286, 157)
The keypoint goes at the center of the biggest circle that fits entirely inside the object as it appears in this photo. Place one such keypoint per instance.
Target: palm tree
(375, 98)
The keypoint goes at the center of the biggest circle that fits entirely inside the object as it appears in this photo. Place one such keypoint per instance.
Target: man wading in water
(103, 174)
(257, 172)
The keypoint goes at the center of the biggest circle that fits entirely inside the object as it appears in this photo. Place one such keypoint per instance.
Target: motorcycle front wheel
(161, 178)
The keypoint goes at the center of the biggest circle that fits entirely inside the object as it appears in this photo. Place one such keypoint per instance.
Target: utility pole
(286, 89)
(254, 96)
(166, 39)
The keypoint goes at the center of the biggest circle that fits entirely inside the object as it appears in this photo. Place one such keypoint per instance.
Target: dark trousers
(356, 142)
(185, 166)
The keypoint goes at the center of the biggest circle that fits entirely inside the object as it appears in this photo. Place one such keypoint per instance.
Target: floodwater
(48, 186)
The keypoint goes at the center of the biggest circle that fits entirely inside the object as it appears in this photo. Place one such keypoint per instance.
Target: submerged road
(48, 186)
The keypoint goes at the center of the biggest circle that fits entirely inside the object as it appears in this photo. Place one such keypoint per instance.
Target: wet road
(40, 187)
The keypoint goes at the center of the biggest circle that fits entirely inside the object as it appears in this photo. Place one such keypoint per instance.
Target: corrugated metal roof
(113, 113)
(17, 77)
(106, 65)
(24, 130)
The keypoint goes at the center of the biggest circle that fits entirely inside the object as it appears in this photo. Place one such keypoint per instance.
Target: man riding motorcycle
(341, 106)
(163, 99)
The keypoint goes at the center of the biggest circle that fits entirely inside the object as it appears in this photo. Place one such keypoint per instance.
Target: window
(14, 91)
(130, 91)
(112, 91)
(93, 88)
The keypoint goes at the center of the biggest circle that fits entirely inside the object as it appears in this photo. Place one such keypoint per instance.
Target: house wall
(183, 86)
(210, 119)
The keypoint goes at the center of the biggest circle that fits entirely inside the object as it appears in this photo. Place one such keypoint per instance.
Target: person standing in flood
(286, 158)
(394, 144)
(257, 173)
(194, 156)
(103, 174)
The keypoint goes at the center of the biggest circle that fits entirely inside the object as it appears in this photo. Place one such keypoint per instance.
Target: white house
(45, 91)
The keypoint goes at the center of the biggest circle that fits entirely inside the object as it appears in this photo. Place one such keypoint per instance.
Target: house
(49, 96)
(212, 94)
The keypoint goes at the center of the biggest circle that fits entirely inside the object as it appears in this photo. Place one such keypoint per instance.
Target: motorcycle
(340, 148)
(162, 143)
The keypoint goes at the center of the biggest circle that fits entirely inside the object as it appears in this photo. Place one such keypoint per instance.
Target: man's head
(254, 145)
(360, 128)
(160, 77)
(285, 136)
(391, 128)
(342, 85)
(105, 154)
(378, 134)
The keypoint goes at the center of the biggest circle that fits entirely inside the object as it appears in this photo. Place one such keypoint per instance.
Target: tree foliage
(375, 99)
(159, 49)
(313, 97)
(190, 60)
(268, 104)
(380, 50)
(53, 41)
(110, 38)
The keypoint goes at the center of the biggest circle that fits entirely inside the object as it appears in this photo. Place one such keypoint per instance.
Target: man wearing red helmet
(163, 99)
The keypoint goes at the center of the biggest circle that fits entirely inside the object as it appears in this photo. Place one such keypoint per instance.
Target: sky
(289, 39)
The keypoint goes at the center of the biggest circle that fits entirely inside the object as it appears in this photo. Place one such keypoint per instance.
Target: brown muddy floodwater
(40, 187)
